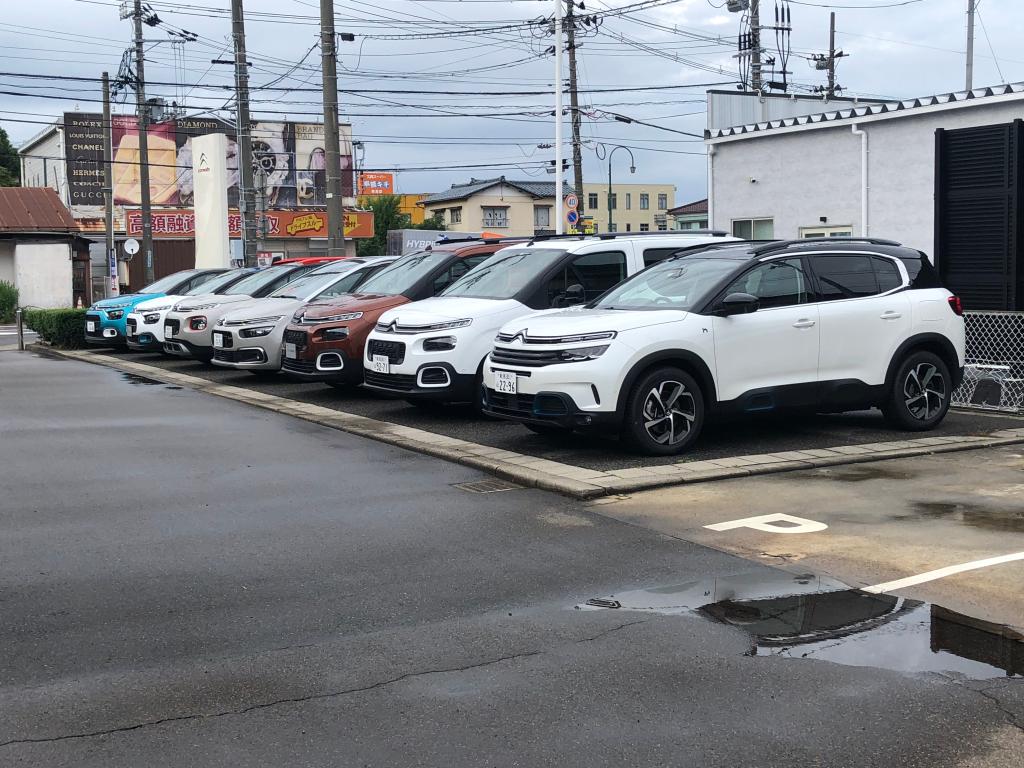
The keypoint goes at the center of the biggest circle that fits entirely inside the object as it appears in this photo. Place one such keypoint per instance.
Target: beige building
(635, 207)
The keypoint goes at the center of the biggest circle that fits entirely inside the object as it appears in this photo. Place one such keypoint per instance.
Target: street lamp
(632, 169)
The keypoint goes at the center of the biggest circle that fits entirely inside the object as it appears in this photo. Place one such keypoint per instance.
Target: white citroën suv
(828, 325)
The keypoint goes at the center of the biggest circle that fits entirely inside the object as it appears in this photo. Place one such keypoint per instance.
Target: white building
(944, 174)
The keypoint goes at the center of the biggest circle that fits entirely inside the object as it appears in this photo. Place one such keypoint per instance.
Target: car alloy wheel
(669, 413)
(924, 391)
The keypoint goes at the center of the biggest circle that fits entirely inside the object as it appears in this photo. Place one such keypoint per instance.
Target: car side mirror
(737, 304)
(574, 294)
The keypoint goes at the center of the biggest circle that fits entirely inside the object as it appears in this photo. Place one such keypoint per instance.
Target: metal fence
(994, 368)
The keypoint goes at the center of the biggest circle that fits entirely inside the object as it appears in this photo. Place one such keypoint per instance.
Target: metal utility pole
(113, 289)
(970, 43)
(755, 44)
(243, 127)
(143, 117)
(332, 139)
(831, 55)
(559, 193)
(574, 105)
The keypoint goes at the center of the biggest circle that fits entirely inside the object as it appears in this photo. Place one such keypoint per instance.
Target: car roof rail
(778, 245)
(663, 233)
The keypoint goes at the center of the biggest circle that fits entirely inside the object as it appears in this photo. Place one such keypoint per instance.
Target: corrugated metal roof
(34, 209)
(978, 95)
(698, 206)
(462, 191)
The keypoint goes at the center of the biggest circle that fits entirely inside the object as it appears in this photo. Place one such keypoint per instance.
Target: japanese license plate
(505, 382)
(218, 341)
(290, 351)
(91, 326)
(380, 364)
(168, 330)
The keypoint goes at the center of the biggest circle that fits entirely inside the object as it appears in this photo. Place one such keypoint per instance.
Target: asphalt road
(765, 434)
(189, 581)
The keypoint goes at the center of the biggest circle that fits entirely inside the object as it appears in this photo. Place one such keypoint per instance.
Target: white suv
(829, 325)
(445, 339)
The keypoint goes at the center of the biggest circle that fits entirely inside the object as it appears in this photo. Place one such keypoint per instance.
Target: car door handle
(803, 322)
(890, 315)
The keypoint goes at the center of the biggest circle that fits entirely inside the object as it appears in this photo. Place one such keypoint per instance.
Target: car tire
(664, 412)
(920, 393)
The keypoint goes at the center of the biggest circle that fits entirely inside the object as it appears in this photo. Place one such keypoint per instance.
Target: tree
(387, 215)
(10, 164)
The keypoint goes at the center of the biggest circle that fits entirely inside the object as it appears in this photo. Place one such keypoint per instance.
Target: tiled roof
(537, 189)
(977, 95)
(698, 206)
(33, 209)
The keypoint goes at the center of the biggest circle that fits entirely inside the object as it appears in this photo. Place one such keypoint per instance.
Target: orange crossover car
(324, 341)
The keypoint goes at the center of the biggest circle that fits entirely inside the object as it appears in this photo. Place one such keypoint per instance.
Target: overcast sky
(894, 50)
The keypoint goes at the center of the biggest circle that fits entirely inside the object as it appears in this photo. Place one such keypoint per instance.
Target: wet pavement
(755, 435)
(189, 581)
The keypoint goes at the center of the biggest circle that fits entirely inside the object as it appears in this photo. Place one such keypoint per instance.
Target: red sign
(376, 184)
(277, 224)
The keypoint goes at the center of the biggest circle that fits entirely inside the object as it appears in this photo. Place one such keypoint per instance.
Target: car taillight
(956, 305)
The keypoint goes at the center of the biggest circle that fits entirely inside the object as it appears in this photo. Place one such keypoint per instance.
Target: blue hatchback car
(105, 322)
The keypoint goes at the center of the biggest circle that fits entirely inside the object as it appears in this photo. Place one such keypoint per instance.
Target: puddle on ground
(858, 473)
(805, 616)
(975, 515)
(142, 381)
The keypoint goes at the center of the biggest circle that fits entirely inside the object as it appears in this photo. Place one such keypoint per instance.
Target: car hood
(165, 300)
(259, 308)
(444, 308)
(124, 300)
(216, 299)
(572, 322)
(353, 302)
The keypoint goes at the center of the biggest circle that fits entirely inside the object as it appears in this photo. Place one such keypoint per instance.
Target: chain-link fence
(994, 368)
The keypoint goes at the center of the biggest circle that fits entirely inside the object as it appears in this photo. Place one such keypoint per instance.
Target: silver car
(251, 337)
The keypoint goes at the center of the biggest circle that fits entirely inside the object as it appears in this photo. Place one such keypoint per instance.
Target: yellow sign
(310, 222)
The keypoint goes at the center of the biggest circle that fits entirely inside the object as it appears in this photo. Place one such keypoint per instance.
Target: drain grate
(487, 486)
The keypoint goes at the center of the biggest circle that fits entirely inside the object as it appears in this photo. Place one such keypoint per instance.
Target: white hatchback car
(829, 325)
(446, 338)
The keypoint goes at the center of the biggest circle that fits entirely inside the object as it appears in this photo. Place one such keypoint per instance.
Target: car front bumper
(431, 381)
(106, 332)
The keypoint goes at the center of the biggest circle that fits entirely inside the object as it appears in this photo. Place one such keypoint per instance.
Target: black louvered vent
(978, 217)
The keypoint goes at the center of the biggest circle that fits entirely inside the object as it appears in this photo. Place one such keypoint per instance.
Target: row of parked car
(643, 335)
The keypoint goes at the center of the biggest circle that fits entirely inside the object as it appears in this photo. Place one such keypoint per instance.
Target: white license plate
(90, 326)
(290, 351)
(168, 330)
(218, 340)
(380, 364)
(506, 382)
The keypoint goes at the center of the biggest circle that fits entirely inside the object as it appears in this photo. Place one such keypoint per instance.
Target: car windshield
(673, 284)
(165, 284)
(217, 282)
(505, 273)
(306, 286)
(405, 273)
(248, 285)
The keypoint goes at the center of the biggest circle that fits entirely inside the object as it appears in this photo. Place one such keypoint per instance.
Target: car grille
(298, 338)
(510, 405)
(398, 381)
(174, 325)
(531, 358)
(298, 366)
(228, 339)
(94, 319)
(132, 326)
(393, 350)
(238, 355)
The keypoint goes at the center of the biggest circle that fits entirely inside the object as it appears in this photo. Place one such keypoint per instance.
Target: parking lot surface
(766, 434)
(192, 581)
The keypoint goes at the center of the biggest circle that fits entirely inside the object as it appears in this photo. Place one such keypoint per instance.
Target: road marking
(941, 573)
(769, 524)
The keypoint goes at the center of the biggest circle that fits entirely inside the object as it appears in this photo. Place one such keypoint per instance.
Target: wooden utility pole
(113, 288)
(143, 123)
(332, 139)
(243, 127)
(574, 105)
(755, 44)
(831, 55)
(970, 43)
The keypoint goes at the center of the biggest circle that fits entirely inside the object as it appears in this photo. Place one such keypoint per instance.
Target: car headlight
(149, 319)
(117, 314)
(580, 354)
(197, 323)
(252, 333)
(340, 318)
(335, 334)
(440, 344)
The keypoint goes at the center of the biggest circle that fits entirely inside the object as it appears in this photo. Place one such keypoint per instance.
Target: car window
(595, 272)
(887, 274)
(458, 268)
(654, 255)
(845, 276)
(401, 275)
(347, 284)
(199, 280)
(165, 284)
(218, 282)
(507, 272)
(780, 283)
(678, 284)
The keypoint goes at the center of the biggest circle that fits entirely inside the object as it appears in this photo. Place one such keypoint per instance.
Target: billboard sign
(210, 173)
(83, 150)
(181, 223)
(374, 183)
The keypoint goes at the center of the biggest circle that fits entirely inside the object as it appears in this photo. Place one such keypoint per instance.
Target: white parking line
(941, 573)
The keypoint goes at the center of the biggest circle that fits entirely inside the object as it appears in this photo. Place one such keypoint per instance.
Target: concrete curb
(530, 471)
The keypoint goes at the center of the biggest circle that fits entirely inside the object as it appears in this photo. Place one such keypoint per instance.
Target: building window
(613, 227)
(826, 231)
(495, 217)
(754, 229)
(455, 215)
(542, 217)
(662, 202)
(629, 227)
(592, 201)
(645, 201)
(645, 227)
(663, 226)
(629, 201)
(613, 199)
(438, 213)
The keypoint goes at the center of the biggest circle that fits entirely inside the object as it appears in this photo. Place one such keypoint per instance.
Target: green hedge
(61, 327)
(8, 301)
